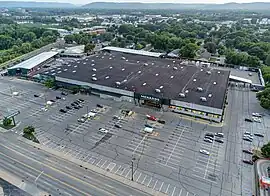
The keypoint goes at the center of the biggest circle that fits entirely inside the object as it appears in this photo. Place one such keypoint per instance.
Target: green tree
(264, 98)
(89, 47)
(6, 42)
(29, 37)
(189, 50)
(49, 83)
(29, 133)
(267, 60)
(258, 52)
(266, 150)
(211, 47)
(7, 121)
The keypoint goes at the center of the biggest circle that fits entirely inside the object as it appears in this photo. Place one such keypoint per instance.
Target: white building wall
(95, 86)
(197, 107)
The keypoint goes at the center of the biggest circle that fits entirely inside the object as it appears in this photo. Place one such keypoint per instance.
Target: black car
(36, 95)
(57, 97)
(73, 104)
(247, 139)
(161, 121)
(63, 111)
(248, 120)
(248, 161)
(68, 107)
(81, 100)
(76, 102)
(118, 126)
(258, 134)
(247, 151)
(76, 107)
(219, 140)
(99, 106)
(52, 101)
(79, 105)
(209, 134)
(64, 93)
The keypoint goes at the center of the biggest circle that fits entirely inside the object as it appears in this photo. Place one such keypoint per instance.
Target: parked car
(64, 93)
(102, 130)
(208, 140)
(257, 115)
(219, 134)
(258, 134)
(204, 152)
(209, 134)
(81, 100)
(68, 107)
(146, 125)
(116, 117)
(73, 104)
(78, 101)
(63, 110)
(57, 97)
(219, 140)
(248, 120)
(248, 161)
(76, 107)
(161, 121)
(118, 126)
(99, 106)
(52, 100)
(151, 118)
(247, 139)
(36, 95)
(81, 120)
(248, 151)
(256, 119)
(247, 133)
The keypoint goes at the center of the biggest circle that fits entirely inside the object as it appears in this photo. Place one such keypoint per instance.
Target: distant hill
(232, 6)
(29, 4)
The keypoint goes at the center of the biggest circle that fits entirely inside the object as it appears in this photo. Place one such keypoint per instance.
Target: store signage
(149, 98)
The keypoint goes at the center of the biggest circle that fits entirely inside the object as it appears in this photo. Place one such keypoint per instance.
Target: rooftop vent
(74, 71)
(123, 58)
(157, 90)
(123, 69)
(144, 84)
(208, 72)
(117, 83)
(138, 61)
(139, 72)
(199, 89)
(65, 69)
(145, 64)
(218, 72)
(203, 99)
(93, 60)
(210, 95)
(214, 83)
(175, 68)
(110, 67)
(186, 91)
(194, 80)
(157, 74)
(94, 75)
(94, 79)
(161, 87)
(107, 77)
(182, 95)
(172, 77)
(94, 69)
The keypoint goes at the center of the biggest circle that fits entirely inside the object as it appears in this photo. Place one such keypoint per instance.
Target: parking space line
(172, 192)
(98, 162)
(155, 184)
(149, 182)
(127, 173)
(118, 169)
(144, 179)
(103, 163)
(139, 177)
(108, 167)
(174, 147)
(167, 188)
(123, 171)
(161, 186)
(180, 193)
(187, 194)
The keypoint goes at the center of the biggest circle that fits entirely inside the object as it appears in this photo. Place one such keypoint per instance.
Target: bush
(7, 122)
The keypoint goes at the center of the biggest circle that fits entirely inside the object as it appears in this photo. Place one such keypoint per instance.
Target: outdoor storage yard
(167, 160)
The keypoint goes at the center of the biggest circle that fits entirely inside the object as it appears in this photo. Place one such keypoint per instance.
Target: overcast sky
(149, 1)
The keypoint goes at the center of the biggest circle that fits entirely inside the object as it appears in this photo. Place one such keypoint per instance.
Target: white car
(117, 117)
(102, 130)
(219, 134)
(247, 133)
(82, 120)
(208, 140)
(44, 109)
(204, 152)
(257, 115)
(256, 119)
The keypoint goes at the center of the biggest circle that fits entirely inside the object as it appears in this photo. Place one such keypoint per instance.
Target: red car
(151, 118)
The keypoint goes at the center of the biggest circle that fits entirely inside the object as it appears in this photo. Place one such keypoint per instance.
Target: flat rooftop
(144, 75)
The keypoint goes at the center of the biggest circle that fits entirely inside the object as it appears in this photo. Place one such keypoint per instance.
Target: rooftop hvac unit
(94, 79)
(107, 77)
(201, 69)
(199, 89)
(123, 69)
(175, 68)
(208, 72)
(161, 87)
(145, 64)
(168, 65)
(157, 90)
(194, 80)
(110, 67)
(157, 74)
(210, 95)
(214, 83)
(203, 99)
(182, 95)
(123, 58)
(117, 83)
(94, 69)
(74, 71)
(186, 91)
(94, 75)
(139, 71)
(144, 84)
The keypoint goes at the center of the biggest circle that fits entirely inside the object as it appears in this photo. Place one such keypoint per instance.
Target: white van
(15, 93)
(148, 130)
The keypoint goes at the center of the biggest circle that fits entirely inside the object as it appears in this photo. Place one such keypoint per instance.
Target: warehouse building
(156, 82)
(33, 64)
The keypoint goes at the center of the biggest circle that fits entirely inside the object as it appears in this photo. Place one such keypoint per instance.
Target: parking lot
(167, 160)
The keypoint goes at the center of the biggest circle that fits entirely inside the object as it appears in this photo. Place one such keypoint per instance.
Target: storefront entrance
(150, 103)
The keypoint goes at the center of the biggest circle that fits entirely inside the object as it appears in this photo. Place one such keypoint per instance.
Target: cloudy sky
(149, 1)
